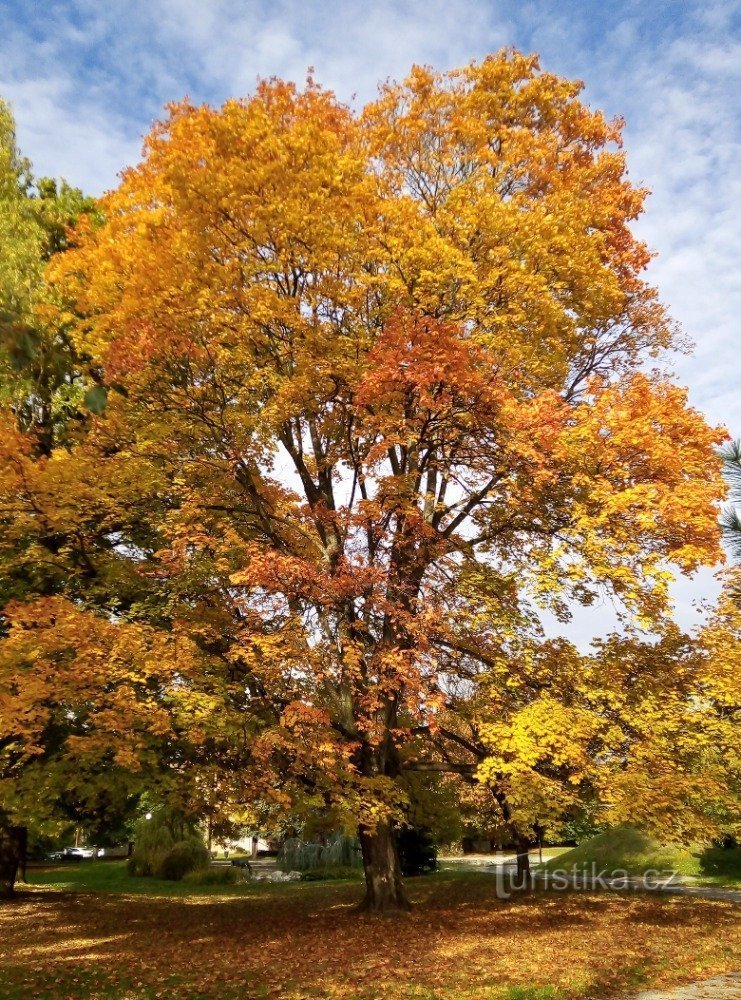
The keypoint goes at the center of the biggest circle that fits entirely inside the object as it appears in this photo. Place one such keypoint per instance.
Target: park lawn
(302, 940)
(629, 849)
(111, 876)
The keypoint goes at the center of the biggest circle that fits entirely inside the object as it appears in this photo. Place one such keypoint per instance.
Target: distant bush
(215, 875)
(629, 849)
(138, 866)
(167, 846)
(725, 861)
(183, 857)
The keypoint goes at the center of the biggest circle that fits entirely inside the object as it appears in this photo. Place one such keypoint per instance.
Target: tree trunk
(384, 891)
(13, 845)
(523, 843)
(524, 876)
(23, 848)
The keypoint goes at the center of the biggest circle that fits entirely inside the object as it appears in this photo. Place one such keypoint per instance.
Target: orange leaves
(424, 369)
(376, 381)
(509, 209)
(107, 683)
(577, 943)
(297, 578)
(431, 388)
(206, 238)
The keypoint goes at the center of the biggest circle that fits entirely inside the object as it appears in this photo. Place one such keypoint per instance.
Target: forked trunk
(384, 890)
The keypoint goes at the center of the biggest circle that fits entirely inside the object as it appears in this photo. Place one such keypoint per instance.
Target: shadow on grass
(460, 943)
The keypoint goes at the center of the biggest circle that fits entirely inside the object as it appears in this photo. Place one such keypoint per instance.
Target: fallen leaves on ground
(295, 942)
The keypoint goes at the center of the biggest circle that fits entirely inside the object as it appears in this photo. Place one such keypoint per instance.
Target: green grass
(112, 876)
(531, 993)
(623, 847)
(628, 848)
(72, 985)
(332, 874)
(81, 985)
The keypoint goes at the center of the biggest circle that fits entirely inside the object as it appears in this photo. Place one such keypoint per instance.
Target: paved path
(639, 885)
(506, 864)
(720, 988)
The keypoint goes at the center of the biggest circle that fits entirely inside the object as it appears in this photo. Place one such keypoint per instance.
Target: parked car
(78, 853)
(68, 854)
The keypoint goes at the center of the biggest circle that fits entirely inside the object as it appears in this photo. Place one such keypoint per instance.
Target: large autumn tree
(375, 382)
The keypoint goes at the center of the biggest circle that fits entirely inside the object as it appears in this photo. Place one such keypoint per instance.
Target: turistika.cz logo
(585, 878)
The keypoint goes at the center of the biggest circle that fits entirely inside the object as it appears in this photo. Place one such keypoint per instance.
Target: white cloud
(68, 138)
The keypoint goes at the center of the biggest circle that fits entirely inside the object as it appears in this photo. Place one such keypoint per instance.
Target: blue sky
(86, 78)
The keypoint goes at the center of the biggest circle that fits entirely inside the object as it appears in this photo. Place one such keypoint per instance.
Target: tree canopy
(367, 389)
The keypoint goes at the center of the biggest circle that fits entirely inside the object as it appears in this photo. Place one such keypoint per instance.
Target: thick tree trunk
(13, 845)
(384, 890)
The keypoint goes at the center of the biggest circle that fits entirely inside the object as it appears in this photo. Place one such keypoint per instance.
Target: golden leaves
(375, 380)
(103, 685)
(578, 943)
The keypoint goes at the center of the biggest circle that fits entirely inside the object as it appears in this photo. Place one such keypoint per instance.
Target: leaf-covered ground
(304, 941)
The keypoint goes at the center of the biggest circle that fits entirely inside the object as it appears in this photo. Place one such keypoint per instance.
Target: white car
(80, 852)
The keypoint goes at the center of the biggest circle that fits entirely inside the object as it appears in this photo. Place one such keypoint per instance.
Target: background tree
(58, 554)
(731, 518)
(39, 370)
(375, 383)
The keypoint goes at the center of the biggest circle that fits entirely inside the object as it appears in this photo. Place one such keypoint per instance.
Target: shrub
(215, 875)
(183, 857)
(417, 851)
(155, 840)
(138, 866)
(725, 861)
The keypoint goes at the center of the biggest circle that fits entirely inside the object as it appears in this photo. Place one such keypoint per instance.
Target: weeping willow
(340, 851)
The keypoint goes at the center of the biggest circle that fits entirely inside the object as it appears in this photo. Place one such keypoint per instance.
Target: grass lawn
(111, 876)
(634, 851)
(92, 932)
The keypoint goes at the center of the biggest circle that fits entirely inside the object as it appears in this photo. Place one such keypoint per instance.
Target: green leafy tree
(40, 373)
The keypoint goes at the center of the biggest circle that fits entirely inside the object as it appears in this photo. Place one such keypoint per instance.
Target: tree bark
(13, 846)
(523, 844)
(384, 890)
